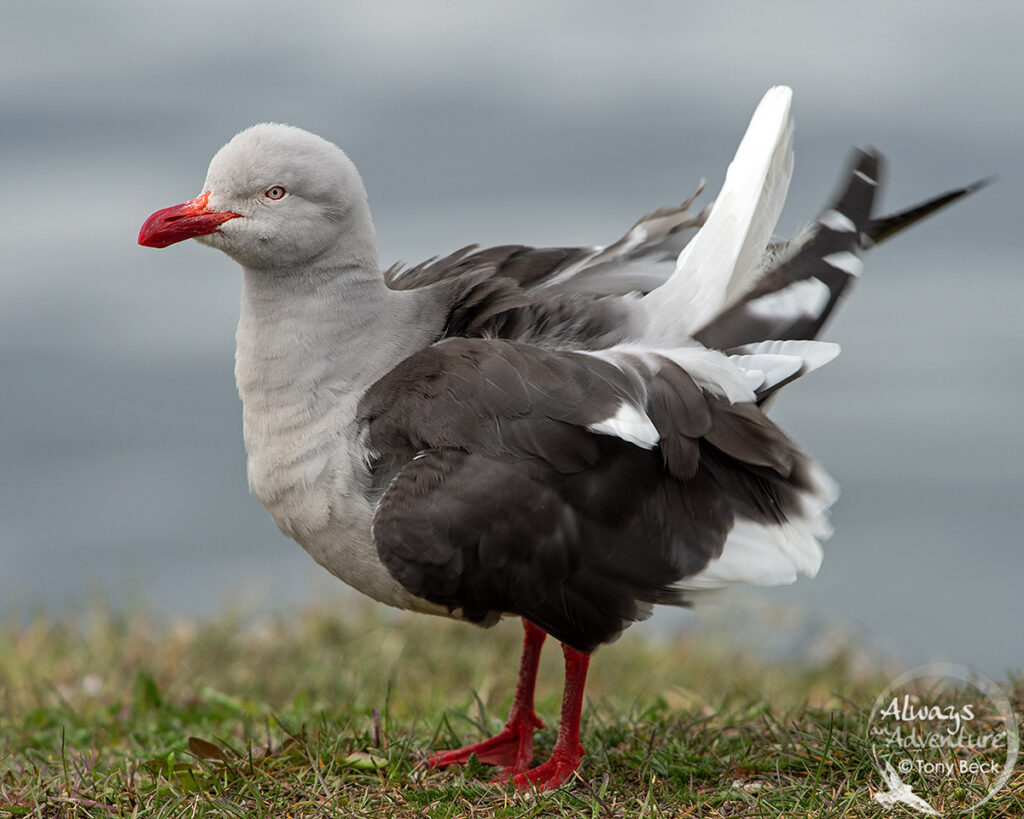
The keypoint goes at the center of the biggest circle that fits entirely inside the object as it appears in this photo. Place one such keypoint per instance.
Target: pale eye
(276, 192)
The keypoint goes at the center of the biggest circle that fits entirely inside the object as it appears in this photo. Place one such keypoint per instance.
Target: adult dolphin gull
(570, 435)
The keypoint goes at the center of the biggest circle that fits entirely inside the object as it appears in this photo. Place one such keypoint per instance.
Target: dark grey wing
(806, 279)
(793, 299)
(638, 262)
(520, 263)
(575, 490)
(498, 308)
(483, 305)
(886, 227)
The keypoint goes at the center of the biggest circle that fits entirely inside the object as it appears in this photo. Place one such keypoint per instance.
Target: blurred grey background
(122, 471)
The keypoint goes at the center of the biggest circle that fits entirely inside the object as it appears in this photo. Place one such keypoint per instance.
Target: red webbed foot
(512, 748)
(554, 773)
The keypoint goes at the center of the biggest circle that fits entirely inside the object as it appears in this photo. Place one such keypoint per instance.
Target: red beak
(180, 222)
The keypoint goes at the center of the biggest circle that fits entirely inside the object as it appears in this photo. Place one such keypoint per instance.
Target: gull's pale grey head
(275, 197)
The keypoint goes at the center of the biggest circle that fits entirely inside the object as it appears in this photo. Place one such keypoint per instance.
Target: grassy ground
(327, 714)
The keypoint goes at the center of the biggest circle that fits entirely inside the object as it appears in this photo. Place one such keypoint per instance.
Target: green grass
(327, 712)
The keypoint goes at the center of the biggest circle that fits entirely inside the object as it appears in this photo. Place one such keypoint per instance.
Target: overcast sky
(121, 466)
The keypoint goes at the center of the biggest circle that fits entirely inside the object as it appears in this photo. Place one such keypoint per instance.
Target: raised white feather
(812, 354)
(764, 371)
(722, 261)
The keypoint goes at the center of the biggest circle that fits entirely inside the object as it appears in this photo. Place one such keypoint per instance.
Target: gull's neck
(326, 328)
(309, 344)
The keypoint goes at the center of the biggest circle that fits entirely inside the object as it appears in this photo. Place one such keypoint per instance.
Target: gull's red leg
(513, 747)
(566, 755)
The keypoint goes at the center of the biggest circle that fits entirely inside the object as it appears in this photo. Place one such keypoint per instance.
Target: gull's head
(275, 197)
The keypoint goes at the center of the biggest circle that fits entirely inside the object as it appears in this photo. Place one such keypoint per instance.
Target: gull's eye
(276, 192)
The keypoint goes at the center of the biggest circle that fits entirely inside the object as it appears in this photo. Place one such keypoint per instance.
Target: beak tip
(147, 237)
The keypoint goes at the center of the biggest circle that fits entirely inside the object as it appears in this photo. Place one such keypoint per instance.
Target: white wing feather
(722, 260)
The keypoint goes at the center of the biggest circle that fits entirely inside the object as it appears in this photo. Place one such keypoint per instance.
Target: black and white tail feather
(617, 394)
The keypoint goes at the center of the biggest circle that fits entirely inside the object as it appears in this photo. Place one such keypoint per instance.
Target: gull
(567, 435)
